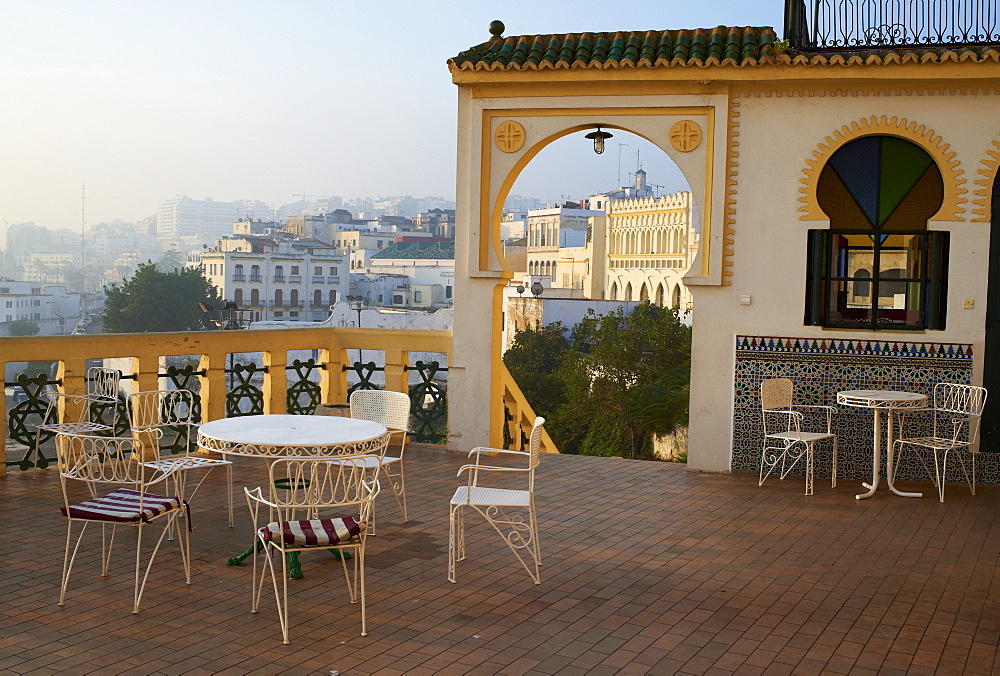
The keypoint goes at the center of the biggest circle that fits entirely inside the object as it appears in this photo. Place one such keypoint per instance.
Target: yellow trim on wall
(491, 214)
(951, 207)
(732, 177)
(990, 169)
(491, 210)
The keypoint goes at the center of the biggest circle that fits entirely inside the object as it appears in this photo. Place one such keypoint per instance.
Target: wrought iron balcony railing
(231, 373)
(883, 24)
(236, 373)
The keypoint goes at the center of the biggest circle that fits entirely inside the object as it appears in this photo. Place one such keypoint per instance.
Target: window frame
(932, 278)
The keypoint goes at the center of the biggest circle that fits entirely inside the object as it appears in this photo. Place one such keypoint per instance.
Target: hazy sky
(145, 99)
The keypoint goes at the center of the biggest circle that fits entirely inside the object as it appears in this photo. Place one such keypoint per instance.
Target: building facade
(846, 202)
(279, 280)
(652, 243)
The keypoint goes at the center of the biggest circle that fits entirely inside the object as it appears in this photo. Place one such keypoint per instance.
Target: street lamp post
(357, 303)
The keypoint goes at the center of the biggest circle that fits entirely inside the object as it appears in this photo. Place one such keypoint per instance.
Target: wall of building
(782, 138)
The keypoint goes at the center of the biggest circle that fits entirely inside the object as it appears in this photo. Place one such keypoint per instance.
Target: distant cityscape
(295, 262)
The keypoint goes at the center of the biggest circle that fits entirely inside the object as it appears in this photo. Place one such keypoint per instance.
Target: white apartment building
(551, 234)
(202, 220)
(296, 281)
(53, 308)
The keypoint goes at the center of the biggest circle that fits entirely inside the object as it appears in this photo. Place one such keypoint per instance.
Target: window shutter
(937, 278)
(818, 257)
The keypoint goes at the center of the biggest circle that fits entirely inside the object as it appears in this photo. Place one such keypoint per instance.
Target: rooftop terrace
(647, 568)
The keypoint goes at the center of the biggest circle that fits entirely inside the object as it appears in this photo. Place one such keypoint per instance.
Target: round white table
(889, 401)
(291, 436)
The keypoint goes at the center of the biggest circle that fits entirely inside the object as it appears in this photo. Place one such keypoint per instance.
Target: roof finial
(497, 28)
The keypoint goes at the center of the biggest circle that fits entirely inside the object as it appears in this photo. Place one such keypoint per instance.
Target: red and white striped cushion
(123, 506)
(312, 533)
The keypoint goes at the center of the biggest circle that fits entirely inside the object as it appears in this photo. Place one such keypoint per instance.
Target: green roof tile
(722, 45)
(418, 250)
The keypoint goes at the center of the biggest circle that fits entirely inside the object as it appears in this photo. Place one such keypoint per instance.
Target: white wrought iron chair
(954, 426)
(157, 414)
(76, 413)
(503, 508)
(391, 409)
(786, 442)
(294, 522)
(104, 462)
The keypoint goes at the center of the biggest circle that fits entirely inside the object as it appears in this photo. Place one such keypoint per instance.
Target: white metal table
(290, 436)
(889, 401)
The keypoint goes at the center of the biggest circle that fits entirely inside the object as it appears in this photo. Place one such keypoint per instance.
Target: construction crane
(310, 198)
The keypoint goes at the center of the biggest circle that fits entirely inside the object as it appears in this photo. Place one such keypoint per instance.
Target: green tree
(170, 261)
(23, 327)
(157, 301)
(621, 369)
(533, 360)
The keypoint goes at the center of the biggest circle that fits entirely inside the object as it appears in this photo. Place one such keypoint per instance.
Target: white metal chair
(955, 413)
(505, 509)
(391, 409)
(294, 522)
(101, 462)
(786, 442)
(75, 413)
(157, 413)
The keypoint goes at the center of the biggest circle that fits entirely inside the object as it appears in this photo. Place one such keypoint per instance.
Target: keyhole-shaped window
(878, 266)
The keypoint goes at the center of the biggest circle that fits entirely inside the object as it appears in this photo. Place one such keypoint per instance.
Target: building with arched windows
(651, 244)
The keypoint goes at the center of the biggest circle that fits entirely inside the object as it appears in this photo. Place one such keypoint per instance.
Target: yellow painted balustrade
(521, 416)
(212, 349)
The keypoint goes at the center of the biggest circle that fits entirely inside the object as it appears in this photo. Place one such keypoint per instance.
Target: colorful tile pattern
(820, 369)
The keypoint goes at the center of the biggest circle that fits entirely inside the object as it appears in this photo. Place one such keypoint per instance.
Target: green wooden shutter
(937, 279)
(818, 260)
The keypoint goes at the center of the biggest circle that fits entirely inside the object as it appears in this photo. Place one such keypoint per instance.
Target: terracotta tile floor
(647, 569)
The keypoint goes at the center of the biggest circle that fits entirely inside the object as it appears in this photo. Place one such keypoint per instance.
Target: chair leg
(359, 576)
(280, 596)
(810, 459)
(973, 486)
(140, 587)
(107, 545)
(398, 489)
(229, 491)
(970, 480)
(68, 559)
(533, 524)
(770, 456)
(940, 473)
(833, 479)
(456, 546)
(515, 538)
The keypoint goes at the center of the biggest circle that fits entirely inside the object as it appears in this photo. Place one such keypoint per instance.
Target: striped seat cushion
(123, 506)
(315, 532)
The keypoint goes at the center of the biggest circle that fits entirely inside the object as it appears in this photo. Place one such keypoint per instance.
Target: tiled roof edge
(721, 46)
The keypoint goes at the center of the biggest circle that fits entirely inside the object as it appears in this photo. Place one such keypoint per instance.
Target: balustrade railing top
(847, 25)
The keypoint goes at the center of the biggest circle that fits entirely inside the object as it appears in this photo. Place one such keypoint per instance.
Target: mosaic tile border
(820, 369)
(879, 348)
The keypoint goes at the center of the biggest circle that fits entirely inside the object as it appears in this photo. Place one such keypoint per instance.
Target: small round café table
(889, 401)
(276, 436)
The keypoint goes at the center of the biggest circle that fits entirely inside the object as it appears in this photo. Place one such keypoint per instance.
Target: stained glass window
(878, 266)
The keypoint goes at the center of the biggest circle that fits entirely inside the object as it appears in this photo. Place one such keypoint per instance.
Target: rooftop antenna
(83, 225)
(619, 184)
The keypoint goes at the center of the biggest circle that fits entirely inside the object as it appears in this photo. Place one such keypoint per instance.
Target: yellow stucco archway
(525, 158)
